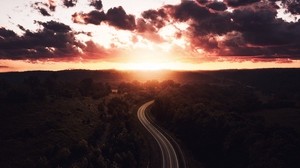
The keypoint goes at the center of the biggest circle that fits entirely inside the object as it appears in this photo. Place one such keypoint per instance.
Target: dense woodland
(52, 120)
(231, 123)
(247, 118)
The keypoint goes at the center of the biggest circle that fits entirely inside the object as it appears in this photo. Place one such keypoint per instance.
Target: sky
(149, 34)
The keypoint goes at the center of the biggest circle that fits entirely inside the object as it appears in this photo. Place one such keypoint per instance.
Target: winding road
(169, 155)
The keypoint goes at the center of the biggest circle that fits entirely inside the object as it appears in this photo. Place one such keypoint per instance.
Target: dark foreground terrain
(236, 119)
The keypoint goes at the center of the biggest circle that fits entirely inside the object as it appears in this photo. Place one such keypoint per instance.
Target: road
(169, 155)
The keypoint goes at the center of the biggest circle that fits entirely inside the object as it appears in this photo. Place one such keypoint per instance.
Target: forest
(233, 118)
(248, 119)
(52, 120)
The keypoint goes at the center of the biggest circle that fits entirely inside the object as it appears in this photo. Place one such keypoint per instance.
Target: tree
(86, 86)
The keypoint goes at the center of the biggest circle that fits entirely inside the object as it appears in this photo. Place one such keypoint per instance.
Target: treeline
(212, 121)
(34, 88)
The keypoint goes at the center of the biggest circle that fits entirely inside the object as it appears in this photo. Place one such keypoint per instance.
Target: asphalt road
(169, 155)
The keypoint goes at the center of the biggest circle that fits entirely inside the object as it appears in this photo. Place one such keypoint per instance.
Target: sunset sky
(148, 34)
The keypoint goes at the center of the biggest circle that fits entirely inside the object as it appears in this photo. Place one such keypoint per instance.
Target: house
(114, 91)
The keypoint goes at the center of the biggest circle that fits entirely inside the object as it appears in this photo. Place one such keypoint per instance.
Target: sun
(145, 59)
(145, 66)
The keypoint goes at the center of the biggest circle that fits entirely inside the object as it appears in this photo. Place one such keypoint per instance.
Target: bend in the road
(169, 155)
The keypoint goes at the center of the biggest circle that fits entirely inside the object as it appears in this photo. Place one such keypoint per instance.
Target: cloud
(202, 1)
(292, 6)
(93, 17)
(260, 27)
(147, 26)
(97, 4)
(117, 17)
(237, 3)
(218, 6)
(261, 33)
(44, 12)
(52, 4)
(148, 31)
(143, 26)
(188, 10)
(157, 18)
(91, 50)
(22, 28)
(6, 34)
(252, 29)
(55, 40)
(249, 29)
(235, 45)
(55, 27)
(41, 7)
(70, 3)
(201, 21)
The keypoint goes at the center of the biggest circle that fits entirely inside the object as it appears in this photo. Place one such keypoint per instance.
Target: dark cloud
(41, 7)
(44, 12)
(55, 40)
(189, 10)
(235, 45)
(55, 27)
(203, 22)
(147, 26)
(237, 3)
(261, 27)
(117, 17)
(22, 28)
(70, 3)
(292, 6)
(218, 24)
(251, 30)
(150, 23)
(97, 4)
(218, 6)
(6, 34)
(259, 32)
(93, 17)
(157, 18)
(202, 1)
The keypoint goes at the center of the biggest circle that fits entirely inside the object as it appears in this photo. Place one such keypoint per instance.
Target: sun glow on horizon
(143, 66)
(19, 66)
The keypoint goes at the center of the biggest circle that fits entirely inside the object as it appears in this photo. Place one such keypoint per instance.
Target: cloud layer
(231, 28)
